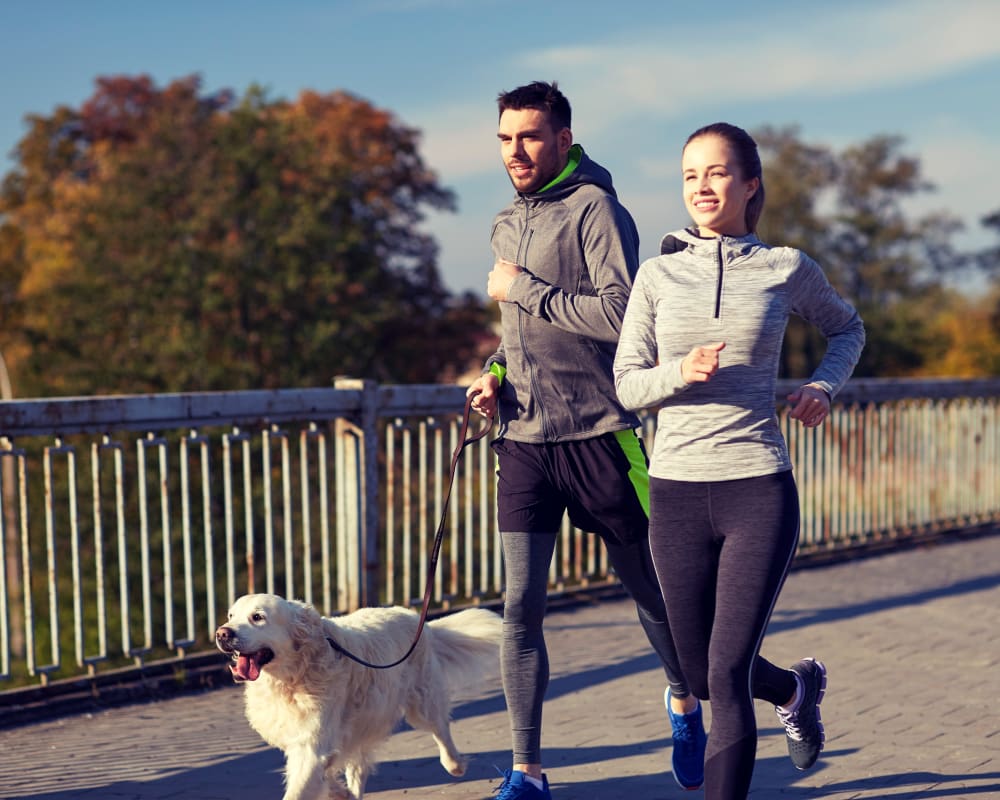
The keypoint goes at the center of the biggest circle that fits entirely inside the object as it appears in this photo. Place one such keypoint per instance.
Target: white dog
(328, 713)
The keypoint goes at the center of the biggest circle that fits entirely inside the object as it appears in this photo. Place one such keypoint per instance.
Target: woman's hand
(810, 405)
(701, 363)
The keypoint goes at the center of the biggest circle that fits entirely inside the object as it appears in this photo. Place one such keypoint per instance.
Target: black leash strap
(464, 441)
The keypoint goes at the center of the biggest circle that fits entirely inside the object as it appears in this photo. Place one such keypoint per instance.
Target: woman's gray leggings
(722, 550)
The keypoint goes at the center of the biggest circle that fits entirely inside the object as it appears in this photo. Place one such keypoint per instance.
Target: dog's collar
(334, 645)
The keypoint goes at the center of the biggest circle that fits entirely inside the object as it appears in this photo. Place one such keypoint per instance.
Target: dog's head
(266, 631)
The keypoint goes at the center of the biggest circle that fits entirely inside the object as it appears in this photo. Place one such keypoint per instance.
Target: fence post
(358, 494)
(8, 527)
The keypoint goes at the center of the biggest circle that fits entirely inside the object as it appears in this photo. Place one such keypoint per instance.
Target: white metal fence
(131, 523)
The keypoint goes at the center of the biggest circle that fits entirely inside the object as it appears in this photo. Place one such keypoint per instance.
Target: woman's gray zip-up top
(579, 248)
(739, 291)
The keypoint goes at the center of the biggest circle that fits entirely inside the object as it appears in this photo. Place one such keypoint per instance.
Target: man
(566, 253)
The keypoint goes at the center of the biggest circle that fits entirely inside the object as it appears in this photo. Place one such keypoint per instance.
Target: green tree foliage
(847, 210)
(158, 239)
(989, 261)
(796, 175)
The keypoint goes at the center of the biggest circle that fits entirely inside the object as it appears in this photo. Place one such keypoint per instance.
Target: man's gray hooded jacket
(579, 248)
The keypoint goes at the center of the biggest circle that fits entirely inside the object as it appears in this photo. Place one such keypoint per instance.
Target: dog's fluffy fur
(327, 713)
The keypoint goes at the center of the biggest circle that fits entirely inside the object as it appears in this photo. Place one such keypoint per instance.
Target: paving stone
(909, 637)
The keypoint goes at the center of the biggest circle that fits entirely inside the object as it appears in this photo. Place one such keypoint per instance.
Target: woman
(701, 339)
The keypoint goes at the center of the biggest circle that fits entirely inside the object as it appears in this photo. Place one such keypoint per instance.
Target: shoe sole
(684, 787)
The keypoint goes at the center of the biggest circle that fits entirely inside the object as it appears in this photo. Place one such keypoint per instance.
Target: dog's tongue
(246, 668)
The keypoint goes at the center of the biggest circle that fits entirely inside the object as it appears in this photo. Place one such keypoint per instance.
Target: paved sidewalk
(910, 639)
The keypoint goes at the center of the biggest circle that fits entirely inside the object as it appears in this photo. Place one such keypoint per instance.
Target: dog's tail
(467, 644)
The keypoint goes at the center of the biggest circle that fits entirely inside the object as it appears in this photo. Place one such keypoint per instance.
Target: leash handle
(464, 441)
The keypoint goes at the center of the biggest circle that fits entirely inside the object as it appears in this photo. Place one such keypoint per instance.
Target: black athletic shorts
(602, 482)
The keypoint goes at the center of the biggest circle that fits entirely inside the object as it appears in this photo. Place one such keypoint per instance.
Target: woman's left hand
(810, 405)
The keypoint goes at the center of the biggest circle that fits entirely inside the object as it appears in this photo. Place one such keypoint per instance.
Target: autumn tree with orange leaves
(848, 210)
(161, 239)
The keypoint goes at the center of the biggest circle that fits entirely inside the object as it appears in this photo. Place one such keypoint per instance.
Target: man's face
(532, 151)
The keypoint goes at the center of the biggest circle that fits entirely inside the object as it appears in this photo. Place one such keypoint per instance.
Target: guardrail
(130, 523)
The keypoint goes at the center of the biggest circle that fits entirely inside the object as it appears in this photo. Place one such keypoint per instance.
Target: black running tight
(722, 550)
(524, 660)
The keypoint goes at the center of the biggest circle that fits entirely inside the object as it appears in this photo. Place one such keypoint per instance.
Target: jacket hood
(687, 238)
(587, 171)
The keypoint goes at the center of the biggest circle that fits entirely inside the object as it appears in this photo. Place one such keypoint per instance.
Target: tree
(989, 259)
(989, 262)
(846, 210)
(163, 240)
(966, 339)
(889, 263)
(797, 176)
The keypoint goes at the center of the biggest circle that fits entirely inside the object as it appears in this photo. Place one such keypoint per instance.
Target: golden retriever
(327, 713)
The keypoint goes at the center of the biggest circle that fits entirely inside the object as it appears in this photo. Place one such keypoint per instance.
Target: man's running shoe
(688, 758)
(803, 726)
(515, 787)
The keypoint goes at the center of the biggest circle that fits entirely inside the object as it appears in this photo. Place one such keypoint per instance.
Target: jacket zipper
(522, 248)
(718, 285)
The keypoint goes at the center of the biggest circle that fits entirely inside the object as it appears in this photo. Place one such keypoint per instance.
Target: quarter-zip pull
(718, 285)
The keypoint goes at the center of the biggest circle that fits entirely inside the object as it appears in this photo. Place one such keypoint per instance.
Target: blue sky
(640, 75)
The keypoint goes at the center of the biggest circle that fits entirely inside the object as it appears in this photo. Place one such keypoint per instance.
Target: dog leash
(464, 441)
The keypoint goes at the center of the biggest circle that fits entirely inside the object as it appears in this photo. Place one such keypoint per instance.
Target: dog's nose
(223, 634)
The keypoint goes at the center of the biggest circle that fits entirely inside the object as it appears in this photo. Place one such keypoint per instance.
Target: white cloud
(460, 142)
(663, 73)
(656, 169)
(965, 170)
(836, 50)
(632, 89)
(656, 213)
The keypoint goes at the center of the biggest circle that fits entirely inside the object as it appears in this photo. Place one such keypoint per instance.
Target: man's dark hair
(540, 96)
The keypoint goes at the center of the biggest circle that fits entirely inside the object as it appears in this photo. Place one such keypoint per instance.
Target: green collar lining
(575, 156)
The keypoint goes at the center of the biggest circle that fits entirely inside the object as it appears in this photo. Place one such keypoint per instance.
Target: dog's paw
(456, 766)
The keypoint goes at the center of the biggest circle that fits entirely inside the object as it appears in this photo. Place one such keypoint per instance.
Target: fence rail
(130, 523)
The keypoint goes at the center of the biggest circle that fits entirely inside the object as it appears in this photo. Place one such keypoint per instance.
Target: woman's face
(715, 192)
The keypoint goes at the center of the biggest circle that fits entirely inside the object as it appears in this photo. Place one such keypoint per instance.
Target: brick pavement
(909, 638)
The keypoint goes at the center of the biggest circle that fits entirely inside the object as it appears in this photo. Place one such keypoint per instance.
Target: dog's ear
(306, 625)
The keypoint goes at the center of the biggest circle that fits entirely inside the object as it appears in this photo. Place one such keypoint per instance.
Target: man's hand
(485, 388)
(500, 279)
(810, 404)
(701, 363)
